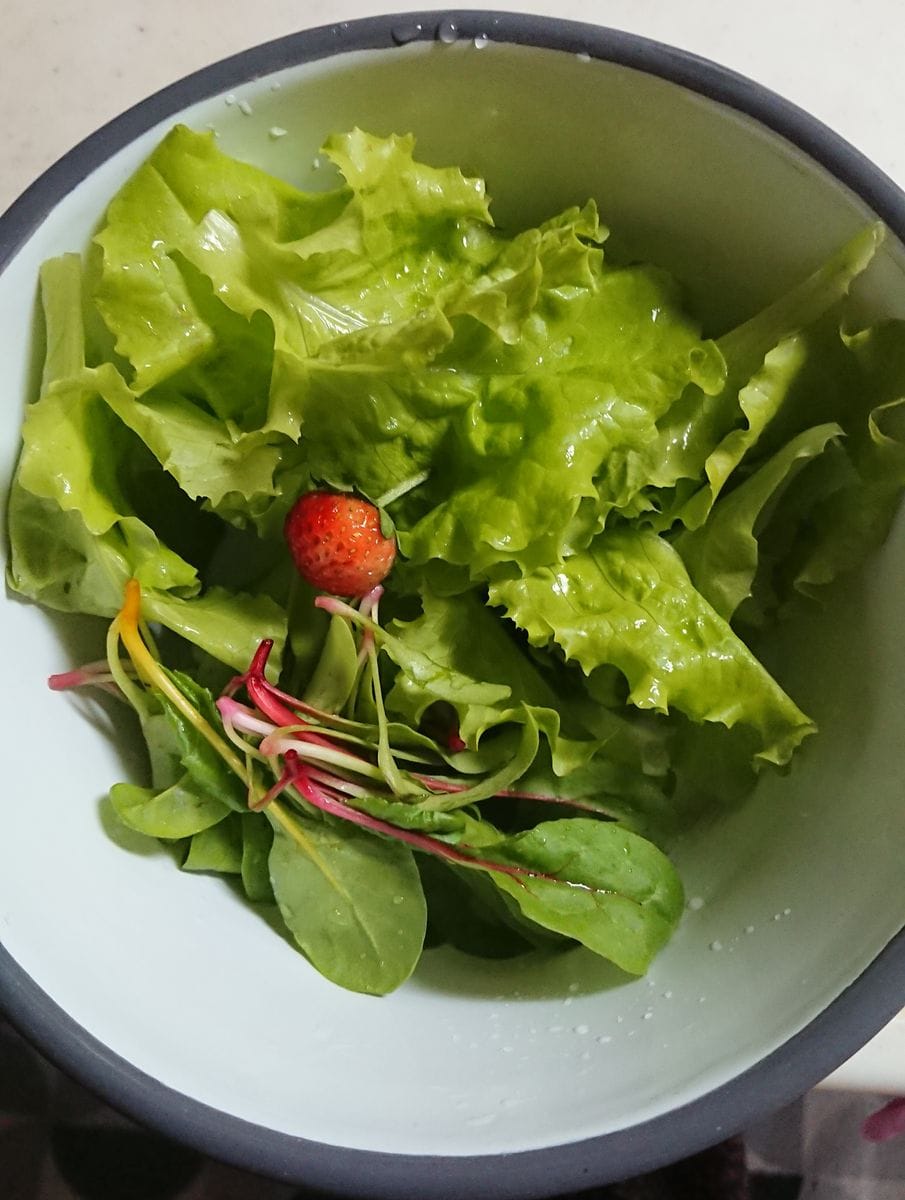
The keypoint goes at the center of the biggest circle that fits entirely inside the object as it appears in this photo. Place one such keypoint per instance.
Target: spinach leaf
(202, 762)
(257, 839)
(352, 901)
(336, 672)
(176, 812)
(596, 882)
(218, 848)
(466, 911)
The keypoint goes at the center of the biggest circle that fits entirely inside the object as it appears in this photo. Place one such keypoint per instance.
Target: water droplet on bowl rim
(447, 32)
(481, 41)
(409, 32)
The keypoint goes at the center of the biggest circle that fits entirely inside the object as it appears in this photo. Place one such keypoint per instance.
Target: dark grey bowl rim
(850, 1021)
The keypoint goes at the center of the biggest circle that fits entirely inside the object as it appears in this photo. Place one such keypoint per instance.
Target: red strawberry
(336, 543)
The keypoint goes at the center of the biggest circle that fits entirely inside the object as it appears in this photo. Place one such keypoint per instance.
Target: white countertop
(66, 69)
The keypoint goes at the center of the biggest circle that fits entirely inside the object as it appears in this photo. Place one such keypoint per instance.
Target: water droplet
(749, 929)
(582, 1029)
(604, 1039)
(244, 107)
(647, 1016)
(787, 912)
(481, 41)
(506, 1049)
(777, 916)
(277, 131)
(567, 1001)
(408, 32)
(717, 945)
(447, 32)
(573, 987)
(667, 995)
(230, 99)
(583, 57)
(556, 1029)
(399, 899)
(275, 86)
(619, 1020)
(696, 903)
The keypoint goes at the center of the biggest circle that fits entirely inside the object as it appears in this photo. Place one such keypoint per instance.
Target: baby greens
(598, 508)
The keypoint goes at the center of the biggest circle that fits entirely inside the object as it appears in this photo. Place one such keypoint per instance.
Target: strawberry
(336, 543)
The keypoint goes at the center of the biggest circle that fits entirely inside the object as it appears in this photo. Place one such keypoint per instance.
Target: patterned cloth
(58, 1142)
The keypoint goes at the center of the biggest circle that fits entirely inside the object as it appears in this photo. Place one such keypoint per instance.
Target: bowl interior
(792, 897)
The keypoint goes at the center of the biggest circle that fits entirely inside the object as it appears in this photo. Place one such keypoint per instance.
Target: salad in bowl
(437, 555)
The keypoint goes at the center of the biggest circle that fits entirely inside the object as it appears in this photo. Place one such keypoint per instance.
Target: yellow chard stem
(150, 670)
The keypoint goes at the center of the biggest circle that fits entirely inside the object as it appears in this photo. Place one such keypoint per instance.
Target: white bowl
(173, 999)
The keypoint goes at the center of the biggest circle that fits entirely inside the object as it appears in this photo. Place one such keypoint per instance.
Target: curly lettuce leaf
(702, 439)
(89, 504)
(458, 652)
(722, 555)
(628, 601)
(185, 200)
(840, 507)
(560, 420)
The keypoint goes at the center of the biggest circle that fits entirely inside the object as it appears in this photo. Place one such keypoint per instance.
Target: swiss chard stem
(387, 763)
(301, 780)
(149, 669)
(329, 755)
(88, 675)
